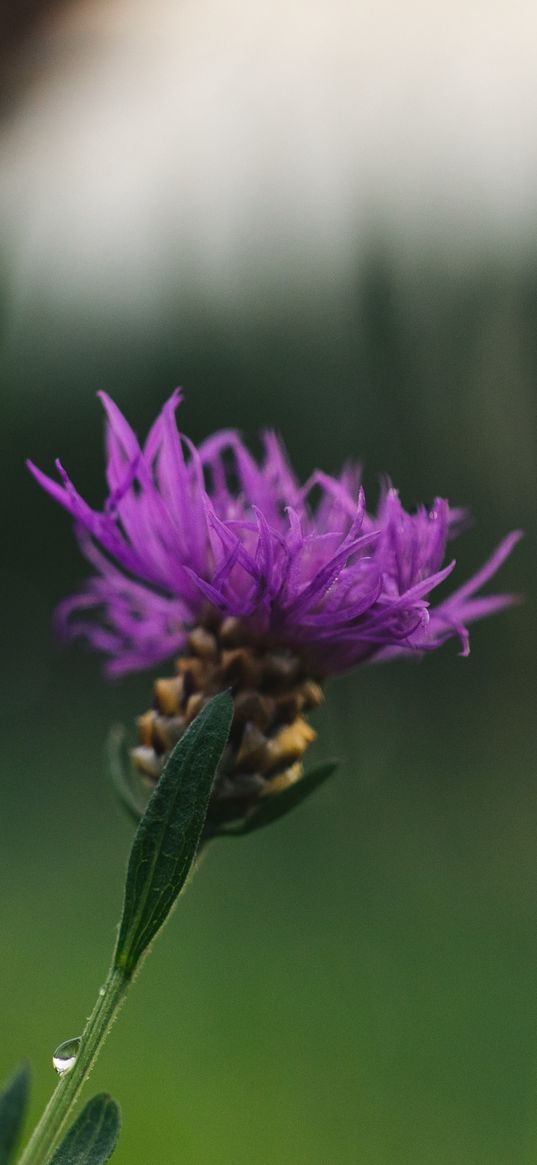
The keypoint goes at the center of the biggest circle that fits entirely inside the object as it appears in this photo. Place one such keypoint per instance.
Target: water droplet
(65, 1055)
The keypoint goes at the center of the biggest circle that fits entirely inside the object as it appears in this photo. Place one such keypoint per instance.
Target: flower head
(255, 580)
(186, 530)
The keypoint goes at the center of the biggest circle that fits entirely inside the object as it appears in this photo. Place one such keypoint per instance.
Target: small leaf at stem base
(93, 1137)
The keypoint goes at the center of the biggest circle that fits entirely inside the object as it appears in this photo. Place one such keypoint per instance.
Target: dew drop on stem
(65, 1055)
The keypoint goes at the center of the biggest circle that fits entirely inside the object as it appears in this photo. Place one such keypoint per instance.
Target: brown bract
(269, 735)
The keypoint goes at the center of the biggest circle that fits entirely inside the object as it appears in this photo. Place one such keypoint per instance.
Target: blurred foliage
(357, 983)
(17, 23)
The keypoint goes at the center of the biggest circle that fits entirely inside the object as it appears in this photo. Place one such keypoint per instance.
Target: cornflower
(255, 582)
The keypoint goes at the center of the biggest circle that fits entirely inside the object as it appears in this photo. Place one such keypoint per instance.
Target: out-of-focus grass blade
(13, 1103)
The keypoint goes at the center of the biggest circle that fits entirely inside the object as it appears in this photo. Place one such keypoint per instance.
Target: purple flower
(189, 533)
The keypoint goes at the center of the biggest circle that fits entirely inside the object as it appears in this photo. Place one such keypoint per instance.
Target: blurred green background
(358, 983)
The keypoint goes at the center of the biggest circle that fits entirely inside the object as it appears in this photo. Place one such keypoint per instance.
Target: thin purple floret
(184, 531)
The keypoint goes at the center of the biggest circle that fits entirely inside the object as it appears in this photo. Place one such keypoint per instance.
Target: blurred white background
(220, 149)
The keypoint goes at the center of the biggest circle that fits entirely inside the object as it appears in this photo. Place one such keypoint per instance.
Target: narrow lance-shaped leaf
(269, 809)
(167, 838)
(93, 1137)
(13, 1103)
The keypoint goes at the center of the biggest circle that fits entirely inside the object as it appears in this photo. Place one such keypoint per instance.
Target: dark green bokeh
(358, 983)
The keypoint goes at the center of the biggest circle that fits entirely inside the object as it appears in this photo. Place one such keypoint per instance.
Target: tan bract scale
(269, 734)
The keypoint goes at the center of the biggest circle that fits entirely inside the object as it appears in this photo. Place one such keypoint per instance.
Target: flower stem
(64, 1097)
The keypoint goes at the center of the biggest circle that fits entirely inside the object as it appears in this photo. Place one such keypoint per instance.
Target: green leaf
(167, 838)
(13, 1103)
(269, 809)
(93, 1137)
(129, 794)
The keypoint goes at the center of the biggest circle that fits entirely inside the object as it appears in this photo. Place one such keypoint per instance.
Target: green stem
(63, 1099)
